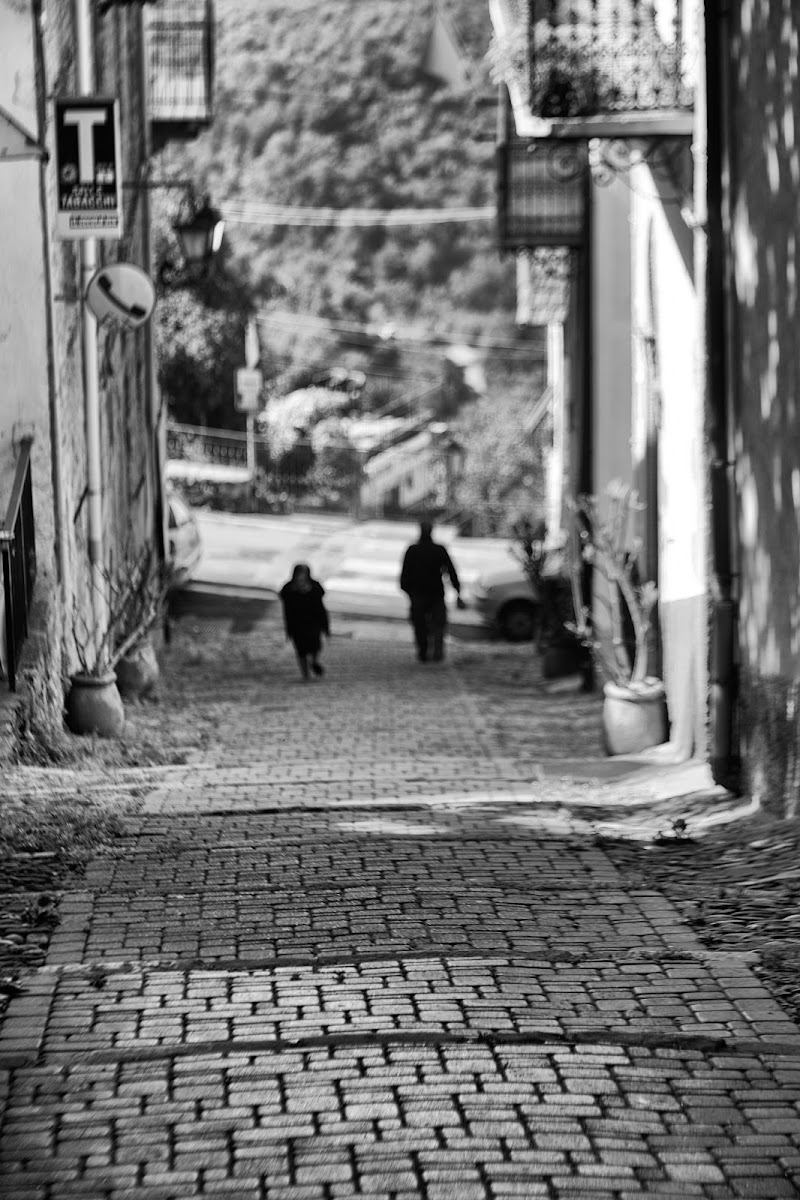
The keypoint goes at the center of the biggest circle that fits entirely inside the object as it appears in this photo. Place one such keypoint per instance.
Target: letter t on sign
(85, 119)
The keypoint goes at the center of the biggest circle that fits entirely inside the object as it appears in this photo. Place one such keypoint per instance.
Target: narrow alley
(355, 945)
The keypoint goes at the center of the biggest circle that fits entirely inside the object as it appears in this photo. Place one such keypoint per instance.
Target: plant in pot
(562, 651)
(121, 661)
(138, 595)
(634, 702)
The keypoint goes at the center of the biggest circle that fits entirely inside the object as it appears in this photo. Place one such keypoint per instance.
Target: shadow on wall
(765, 113)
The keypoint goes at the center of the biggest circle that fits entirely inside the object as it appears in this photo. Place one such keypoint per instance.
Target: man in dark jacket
(424, 564)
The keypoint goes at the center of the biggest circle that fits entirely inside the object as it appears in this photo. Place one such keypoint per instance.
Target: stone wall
(764, 121)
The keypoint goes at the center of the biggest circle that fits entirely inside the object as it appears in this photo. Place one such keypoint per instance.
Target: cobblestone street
(358, 943)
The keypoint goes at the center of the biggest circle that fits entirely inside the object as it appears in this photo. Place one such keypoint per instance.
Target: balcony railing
(18, 552)
(579, 60)
(180, 49)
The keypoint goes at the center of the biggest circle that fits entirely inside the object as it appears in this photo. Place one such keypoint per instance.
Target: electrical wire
(392, 334)
(352, 218)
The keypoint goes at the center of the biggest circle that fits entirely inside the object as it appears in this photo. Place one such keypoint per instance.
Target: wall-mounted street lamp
(198, 227)
(200, 236)
(455, 457)
(199, 230)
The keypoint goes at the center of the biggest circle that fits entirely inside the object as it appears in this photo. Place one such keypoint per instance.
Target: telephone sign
(87, 143)
(122, 294)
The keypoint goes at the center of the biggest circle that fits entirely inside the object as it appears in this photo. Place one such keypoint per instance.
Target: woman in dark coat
(305, 618)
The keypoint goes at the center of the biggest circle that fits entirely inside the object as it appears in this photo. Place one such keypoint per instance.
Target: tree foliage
(296, 417)
(502, 479)
(327, 105)
(200, 338)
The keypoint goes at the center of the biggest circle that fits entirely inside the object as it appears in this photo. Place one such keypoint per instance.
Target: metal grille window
(180, 46)
(542, 194)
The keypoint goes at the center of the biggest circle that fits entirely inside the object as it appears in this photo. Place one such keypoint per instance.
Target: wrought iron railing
(594, 58)
(194, 443)
(610, 57)
(18, 552)
(180, 47)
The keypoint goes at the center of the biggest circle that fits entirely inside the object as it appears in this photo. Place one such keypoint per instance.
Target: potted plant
(634, 701)
(93, 703)
(138, 596)
(123, 661)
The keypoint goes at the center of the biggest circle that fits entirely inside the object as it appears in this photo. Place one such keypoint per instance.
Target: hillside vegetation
(326, 105)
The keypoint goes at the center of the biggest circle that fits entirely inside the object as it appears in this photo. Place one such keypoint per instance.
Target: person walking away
(424, 564)
(305, 618)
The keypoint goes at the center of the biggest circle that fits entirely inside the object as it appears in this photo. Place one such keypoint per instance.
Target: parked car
(185, 547)
(507, 601)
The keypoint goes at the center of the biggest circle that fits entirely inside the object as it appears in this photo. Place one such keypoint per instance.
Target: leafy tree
(336, 473)
(503, 476)
(332, 109)
(294, 418)
(200, 339)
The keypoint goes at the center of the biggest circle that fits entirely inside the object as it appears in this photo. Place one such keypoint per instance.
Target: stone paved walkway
(351, 949)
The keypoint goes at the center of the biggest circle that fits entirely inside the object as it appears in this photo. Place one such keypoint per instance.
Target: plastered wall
(668, 437)
(764, 122)
(41, 319)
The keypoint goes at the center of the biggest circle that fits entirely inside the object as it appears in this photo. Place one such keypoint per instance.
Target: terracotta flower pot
(94, 705)
(634, 716)
(137, 672)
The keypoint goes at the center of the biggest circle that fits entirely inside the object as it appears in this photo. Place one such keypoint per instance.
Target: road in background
(358, 562)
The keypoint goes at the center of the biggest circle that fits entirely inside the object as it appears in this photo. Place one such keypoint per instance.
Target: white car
(185, 548)
(508, 601)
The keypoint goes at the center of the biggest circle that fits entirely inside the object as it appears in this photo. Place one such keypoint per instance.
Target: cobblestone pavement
(359, 944)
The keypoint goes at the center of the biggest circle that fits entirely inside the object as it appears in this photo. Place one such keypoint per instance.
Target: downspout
(586, 428)
(714, 167)
(585, 256)
(155, 406)
(56, 457)
(91, 376)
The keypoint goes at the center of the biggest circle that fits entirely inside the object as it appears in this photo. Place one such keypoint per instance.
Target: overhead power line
(389, 334)
(352, 218)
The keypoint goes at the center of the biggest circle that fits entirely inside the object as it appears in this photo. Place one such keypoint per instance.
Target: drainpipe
(84, 38)
(56, 456)
(714, 166)
(585, 257)
(155, 404)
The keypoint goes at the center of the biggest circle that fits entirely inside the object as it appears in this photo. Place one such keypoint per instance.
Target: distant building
(445, 58)
(402, 477)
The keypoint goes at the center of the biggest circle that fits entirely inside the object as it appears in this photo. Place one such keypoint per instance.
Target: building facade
(700, 342)
(581, 83)
(43, 360)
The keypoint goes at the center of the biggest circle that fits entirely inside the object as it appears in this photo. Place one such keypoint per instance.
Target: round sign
(121, 293)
